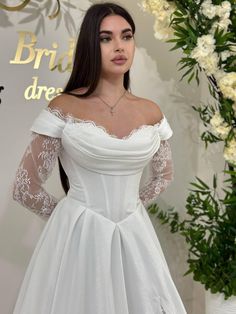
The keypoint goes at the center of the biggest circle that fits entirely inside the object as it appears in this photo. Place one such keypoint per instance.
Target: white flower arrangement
(222, 11)
(204, 51)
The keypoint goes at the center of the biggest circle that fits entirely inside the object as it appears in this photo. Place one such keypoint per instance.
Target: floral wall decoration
(205, 32)
(37, 10)
(38, 46)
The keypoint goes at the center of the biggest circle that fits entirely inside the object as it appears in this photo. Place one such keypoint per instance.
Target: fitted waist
(115, 204)
(94, 189)
(102, 200)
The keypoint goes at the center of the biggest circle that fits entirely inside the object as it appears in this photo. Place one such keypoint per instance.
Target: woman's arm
(34, 169)
(161, 174)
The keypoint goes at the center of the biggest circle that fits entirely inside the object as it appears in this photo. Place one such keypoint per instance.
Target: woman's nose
(119, 49)
(118, 45)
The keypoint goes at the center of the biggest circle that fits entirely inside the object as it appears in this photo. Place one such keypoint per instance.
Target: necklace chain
(116, 103)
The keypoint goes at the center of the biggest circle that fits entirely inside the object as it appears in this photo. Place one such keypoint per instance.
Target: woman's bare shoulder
(150, 109)
(66, 102)
(59, 103)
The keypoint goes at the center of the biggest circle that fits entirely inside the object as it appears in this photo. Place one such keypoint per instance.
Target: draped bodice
(104, 171)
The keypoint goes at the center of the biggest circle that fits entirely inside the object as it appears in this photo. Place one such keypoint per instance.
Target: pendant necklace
(112, 107)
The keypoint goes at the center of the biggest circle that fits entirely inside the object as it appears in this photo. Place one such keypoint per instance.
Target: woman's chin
(115, 71)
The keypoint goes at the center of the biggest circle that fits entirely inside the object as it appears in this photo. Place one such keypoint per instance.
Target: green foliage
(210, 232)
(189, 24)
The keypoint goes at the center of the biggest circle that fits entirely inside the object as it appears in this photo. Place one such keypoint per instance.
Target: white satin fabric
(98, 252)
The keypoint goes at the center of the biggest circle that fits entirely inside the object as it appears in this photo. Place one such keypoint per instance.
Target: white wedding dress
(98, 252)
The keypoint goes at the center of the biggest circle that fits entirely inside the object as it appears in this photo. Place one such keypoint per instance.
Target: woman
(98, 252)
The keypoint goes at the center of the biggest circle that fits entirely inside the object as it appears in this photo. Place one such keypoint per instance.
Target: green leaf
(186, 73)
(181, 29)
(177, 13)
(191, 77)
(197, 77)
(214, 181)
(188, 272)
(198, 186)
(178, 45)
(202, 183)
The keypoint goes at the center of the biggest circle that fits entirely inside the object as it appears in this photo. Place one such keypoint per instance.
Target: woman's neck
(110, 89)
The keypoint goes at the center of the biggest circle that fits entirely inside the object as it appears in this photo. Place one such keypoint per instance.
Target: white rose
(222, 131)
(222, 24)
(219, 74)
(227, 85)
(226, 5)
(206, 43)
(223, 10)
(151, 6)
(225, 54)
(204, 54)
(208, 9)
(164, 17)
(234, 108)
(230, 152)
(219, 127)
(205, 47)
(198, 53)
(233, 49)
(210, 63)
(216, 120)
(208, 40)
(155, 6)
(162, 31)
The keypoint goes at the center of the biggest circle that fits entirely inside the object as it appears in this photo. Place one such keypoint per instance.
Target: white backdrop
(154, 75)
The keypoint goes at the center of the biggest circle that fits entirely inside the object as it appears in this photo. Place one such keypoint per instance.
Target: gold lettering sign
(26, 46)
(36, 91)
(27, 52)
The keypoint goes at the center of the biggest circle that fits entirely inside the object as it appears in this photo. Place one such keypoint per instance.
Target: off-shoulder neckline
(75, 120)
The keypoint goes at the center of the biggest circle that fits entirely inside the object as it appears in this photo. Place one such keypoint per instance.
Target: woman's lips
(119, 61)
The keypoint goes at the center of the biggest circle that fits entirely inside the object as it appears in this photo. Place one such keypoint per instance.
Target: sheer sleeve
(34, 169)
(161, 174)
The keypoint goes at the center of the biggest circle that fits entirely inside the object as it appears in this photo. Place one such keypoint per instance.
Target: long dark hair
(87, 57)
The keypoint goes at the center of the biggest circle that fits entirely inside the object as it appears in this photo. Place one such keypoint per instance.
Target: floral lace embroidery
(162, 174)
(34, 169)
(48, 156)
(70, 118)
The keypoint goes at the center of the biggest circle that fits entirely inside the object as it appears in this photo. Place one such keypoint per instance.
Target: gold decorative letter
(24, 46)
(69, 55)
(31, 91)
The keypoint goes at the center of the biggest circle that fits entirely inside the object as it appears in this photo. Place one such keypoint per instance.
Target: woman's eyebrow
(110, 32)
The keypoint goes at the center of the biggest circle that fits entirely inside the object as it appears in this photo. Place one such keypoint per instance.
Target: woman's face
(117, 45)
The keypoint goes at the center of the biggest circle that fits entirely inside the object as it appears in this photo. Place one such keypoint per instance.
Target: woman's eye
(127, 37)
(104, 39)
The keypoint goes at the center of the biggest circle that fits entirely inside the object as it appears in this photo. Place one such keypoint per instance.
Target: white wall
(154, 75)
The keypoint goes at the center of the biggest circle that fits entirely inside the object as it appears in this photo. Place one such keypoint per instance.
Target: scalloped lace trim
(70, 118)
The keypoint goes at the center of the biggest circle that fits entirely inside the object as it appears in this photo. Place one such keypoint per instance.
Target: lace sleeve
(34, 169)
(161, 174)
